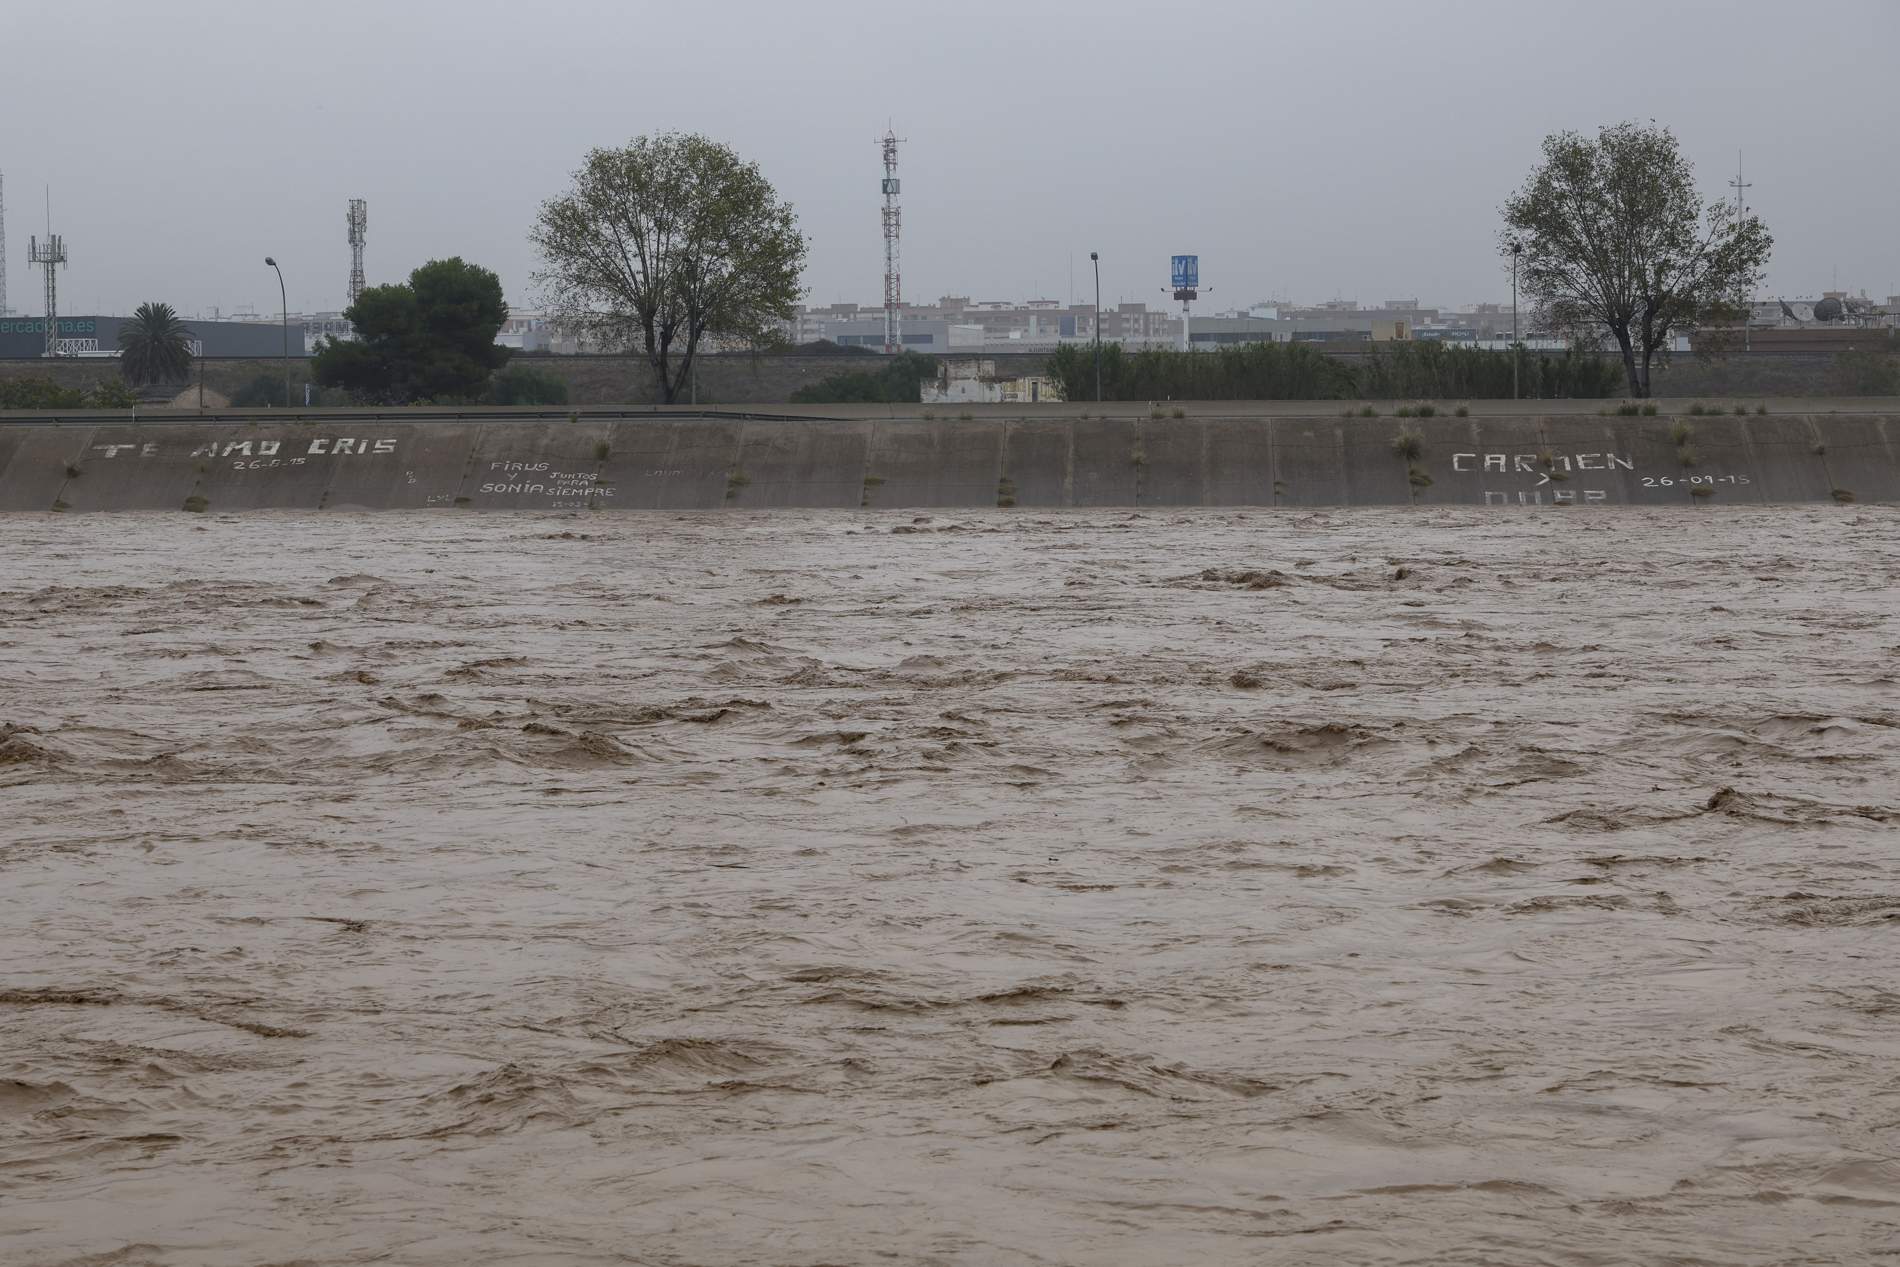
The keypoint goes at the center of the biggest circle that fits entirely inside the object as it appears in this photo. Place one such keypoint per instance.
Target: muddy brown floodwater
(821, 888)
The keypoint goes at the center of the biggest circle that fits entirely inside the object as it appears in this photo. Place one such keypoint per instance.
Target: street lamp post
(285, 298)
(1096, 260)
(1517, 249)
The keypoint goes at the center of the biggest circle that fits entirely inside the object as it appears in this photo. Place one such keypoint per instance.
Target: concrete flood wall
(709, 463)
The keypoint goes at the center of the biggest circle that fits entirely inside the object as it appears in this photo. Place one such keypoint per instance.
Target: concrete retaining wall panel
(938, 463)
(700, 462)
(1658, 477)
(427, 468)
(1240, 463)
(1036, 463)
(1786, 467)
(145, 467)
(1375, 475)
(815, 465)
(1310, 456)
(638, 468)
(10, 441)
(1175, 470)
(33, 475)
(287, 468)
(1489, 461)
(529, 466)
(1863, 456)
(1587, 453)
(1106, 462)
(1724, 462)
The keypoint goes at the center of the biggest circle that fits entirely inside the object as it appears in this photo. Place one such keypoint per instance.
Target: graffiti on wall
(1553, 474)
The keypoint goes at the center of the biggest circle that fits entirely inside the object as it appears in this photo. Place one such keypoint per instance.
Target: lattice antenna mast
(50, 257)
(1741, 188)
(359, 233)
(893, 282)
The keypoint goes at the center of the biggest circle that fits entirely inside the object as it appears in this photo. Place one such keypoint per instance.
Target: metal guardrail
(410, 415)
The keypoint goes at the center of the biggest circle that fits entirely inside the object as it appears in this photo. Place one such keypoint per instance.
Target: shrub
(265, 390)
(39, 393)
(114, 393)
(525, 385)
(1867, 372)
(1463, 411)
(1649, 411)
(1409, 445)
(898, 381)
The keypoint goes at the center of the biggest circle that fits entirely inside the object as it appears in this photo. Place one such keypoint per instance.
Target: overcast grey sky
(1304, 150)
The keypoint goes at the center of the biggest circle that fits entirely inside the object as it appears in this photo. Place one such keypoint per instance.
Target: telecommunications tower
(49, 257)
(359, 232)
(893, 285)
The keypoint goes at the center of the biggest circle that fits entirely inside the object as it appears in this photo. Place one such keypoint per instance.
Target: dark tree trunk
(662, 374)
(1639, 382)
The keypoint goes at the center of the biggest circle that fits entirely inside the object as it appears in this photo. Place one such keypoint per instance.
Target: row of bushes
(43, 393)
(899, 380)
(1299, 371)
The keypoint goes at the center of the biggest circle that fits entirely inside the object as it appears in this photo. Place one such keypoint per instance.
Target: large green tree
(154, 346)
(429, 339)
(665, 241)
(1613, 239)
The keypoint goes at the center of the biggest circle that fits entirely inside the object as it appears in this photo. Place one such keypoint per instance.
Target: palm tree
(152, 346)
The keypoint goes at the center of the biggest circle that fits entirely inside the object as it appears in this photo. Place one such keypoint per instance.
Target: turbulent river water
(822, 888)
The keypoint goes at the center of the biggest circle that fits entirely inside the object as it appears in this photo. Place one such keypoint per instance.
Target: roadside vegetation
(430, 340)
(40, 392)
(898, 380)
(1298, 371)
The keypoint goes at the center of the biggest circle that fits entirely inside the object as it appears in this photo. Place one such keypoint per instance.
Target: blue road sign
(1187, 272)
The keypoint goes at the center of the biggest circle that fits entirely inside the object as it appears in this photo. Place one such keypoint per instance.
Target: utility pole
(1741, 188)
(1517, 249)
(284, 296)
(1096, 260)
(4, 310)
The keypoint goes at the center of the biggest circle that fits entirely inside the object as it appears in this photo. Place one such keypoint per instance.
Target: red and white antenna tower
(893, 284)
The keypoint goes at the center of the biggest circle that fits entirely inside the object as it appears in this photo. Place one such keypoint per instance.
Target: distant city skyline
(1299, 153)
